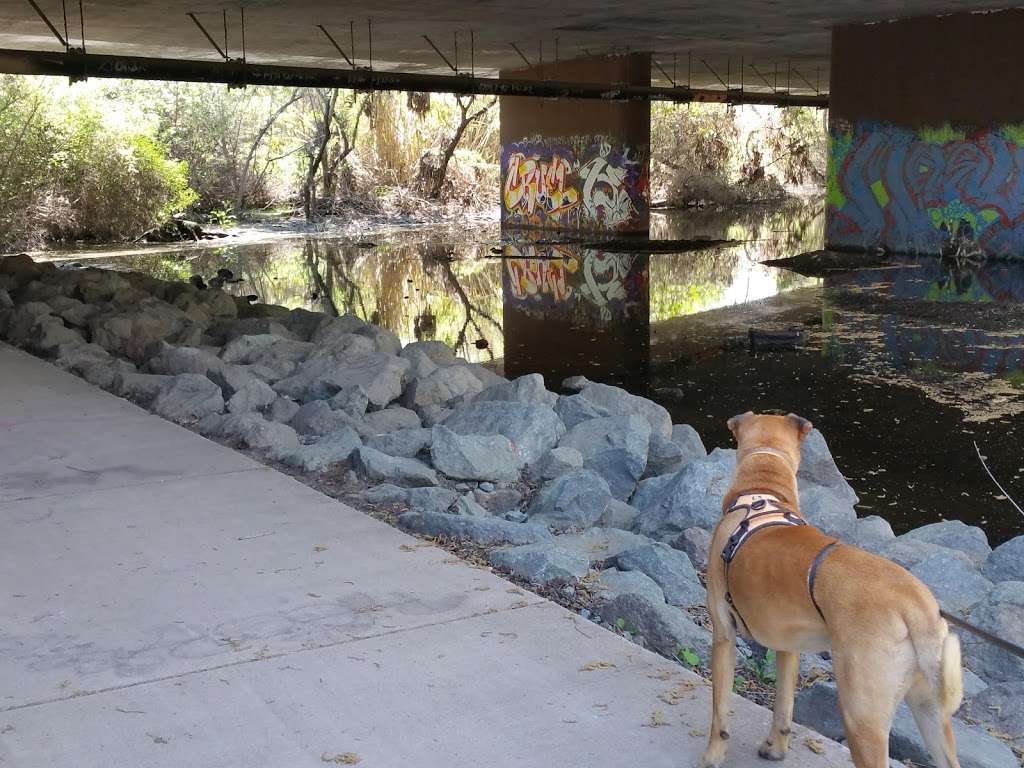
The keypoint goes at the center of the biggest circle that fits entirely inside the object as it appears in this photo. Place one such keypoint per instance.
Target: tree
(435, 177)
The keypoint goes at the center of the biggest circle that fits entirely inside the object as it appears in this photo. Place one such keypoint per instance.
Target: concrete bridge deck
(166, 601)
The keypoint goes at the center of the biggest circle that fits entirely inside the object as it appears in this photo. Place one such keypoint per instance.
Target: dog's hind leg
(871, 684)
(723, 666)
(787, 670)
(935, 725)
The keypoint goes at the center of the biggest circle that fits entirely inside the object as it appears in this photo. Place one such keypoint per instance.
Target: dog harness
(765, 511)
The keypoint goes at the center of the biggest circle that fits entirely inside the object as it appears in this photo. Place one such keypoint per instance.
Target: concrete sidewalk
(165, 601)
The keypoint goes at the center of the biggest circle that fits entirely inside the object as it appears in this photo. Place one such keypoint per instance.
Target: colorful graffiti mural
(583, 183)
(928, 190)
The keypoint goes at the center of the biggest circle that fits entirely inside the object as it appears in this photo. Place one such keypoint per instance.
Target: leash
(1006, 645)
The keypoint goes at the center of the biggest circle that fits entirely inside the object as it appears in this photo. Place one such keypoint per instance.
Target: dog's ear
(734, 423)
(803, 426)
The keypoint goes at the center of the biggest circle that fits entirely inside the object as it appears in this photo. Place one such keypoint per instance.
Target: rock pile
(596, 488)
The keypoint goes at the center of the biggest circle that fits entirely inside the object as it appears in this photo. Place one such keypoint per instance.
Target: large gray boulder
(574, 501)
(817, 707)
(621, 403)
(665, 628)
(171, 360)
(817, 467)
(129, 334)
(328, 451)
(556, 462)
(390, 419)
(1001, 614)
(318, 418)
(441, 387)
(351, 400)
(485, 531)
(688, 440)
(49, 333)
(404, 443)
(255, 432)
(187, 398)
(872, 533)
(253, 395)
(328, 333)
(956, 584)
(613, 583)
(384, 341)
(526, 389)
(664, 457)
(691, 497)
(1006, 563)
(619, 514)
(430, 499)
(474, 457)
(954, 534)
(533, 428)
(266, 349)
(695, 543)
(600, 545)
(832, 512)
(908, 553)
(141, 388)
(615, 447)
(437, 352)
(542, 564)
(79, 356)
(302, 323)
(327, 372)
(1000, 707)
(669, 568)
(575, 409)
(380, 468)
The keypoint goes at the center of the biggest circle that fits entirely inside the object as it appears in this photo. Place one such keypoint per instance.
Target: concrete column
(572, 168)
(927, 135)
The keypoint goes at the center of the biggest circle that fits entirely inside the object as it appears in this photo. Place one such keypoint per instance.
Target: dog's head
(759, 430)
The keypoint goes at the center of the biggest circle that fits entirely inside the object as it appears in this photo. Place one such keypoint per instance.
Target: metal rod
(22, 62)
(765, 79)
(369, 42)
(817, 80)
(521, 54)
(352, 39)
(207, 35)
(336, 46)
(225, 14)
(472, 53)
(455, 48)
(797, 73)
(438, 52)
(540, 57)
(689, 69)
(64, 10)
(53, 29)
(241, 11)
(715, 74)
(672, 80)
(673, 69)
(556, 53)
(81, 19)
(742, 68)
(728, 73)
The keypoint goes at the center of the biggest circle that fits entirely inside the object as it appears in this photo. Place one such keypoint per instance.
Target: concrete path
(165, 601)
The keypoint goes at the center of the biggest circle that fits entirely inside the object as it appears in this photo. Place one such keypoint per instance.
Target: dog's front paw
(713, 757)
(770, 751)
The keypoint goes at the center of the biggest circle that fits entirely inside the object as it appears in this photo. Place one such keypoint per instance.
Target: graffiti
(540, 278)
(585, 183)
(926, 190)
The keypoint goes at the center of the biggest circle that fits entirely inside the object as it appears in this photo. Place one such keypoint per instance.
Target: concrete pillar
(571, 168)
(927, 135)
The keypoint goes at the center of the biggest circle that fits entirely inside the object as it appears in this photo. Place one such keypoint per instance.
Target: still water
(904, 365)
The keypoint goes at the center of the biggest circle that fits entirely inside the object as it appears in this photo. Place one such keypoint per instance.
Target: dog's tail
(938, 659)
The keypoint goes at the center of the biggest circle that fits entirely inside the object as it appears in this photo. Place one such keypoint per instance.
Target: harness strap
(812, 574)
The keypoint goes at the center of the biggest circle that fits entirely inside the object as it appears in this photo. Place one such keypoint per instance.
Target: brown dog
(793, 589)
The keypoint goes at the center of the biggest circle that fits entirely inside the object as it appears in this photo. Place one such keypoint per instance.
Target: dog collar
(767, 450)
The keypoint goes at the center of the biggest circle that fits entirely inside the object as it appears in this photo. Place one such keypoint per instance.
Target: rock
(1001, 614)
(872, 533)
(600, 544)
(381, 468)
(818, 468)
(619, 514)
(5, 299)
(526, 389)
(575, 500)
(22, 319)
(1006, 563)
(832, 513)
(229, 377)
(49, 333)
(954, 534)
(663, 456)
(474, 457)
(615, 447)
(695, 543)
(441, 387)
(613, 583)
(264, 311)
(420, 365)
(188, 397)
(689, 442)
(437, 352)
(670, 569)
(542, 564)
(141, 388)
(817, 707)
(264, 347)
(255, 432)
(1001, 707)
(433, 500)
(129, 334)
(500, 501)
(485, 375)
(105, 375)
(317, 418)
(432, 415)
(331, 449)
(532, 428)
(556, 463)
(329, 332)
(325, 373)
(77, 314)
(386, 493)
(384, 341)
(77, 357)
(230, 330)
(351, 400)
(391, 419)
(575, 409)
(665, 628)
(909, 553)
(171, 360)
(485, 531)
(95, 286)
(670, 504)
(302, 323)
(621, 403)
(814, 668)
(254, 395)
(282, 410)
(956, 584)
(405, 443)
(973, 685)
(21, 266)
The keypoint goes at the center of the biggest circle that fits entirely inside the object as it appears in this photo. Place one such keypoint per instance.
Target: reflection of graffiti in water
(564, 280)
(927, 190)
(577, 183)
